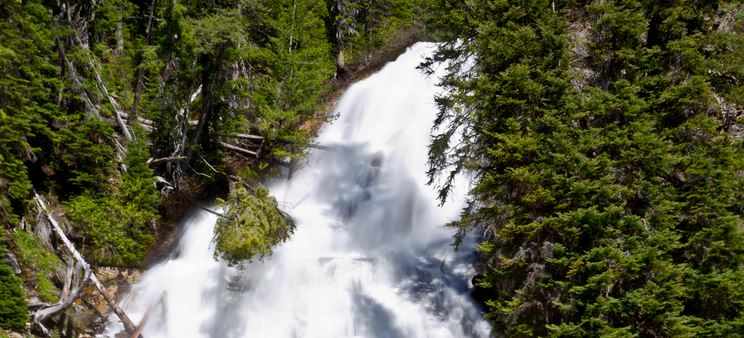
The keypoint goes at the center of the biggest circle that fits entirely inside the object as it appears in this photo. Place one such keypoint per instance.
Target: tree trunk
(206, 107)
(93, 67)
(119, 51)
(210, 70)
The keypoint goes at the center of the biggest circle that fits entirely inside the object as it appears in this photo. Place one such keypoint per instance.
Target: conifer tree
(606, 182)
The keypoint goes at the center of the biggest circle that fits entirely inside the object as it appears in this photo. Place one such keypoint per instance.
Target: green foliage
(86, 160)
(28, 80)
(13, 310)
(115, 227)
(114, 232)
(260, 66)
(299, 63)
(42, 266)
(251, 226)
(363, 27)
(609, 190)
(138, 182)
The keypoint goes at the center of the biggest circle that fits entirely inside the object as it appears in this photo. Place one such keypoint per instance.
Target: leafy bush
(252, 226)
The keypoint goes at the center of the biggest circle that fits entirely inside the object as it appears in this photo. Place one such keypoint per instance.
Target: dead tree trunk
(128, 324)
(90, 108)
(71, 290)
(94, 68)
(175, 169)
(117, 109)
(77, 85)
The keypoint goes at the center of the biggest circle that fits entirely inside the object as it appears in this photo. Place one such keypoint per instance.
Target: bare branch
(237, 149)
(156, 161)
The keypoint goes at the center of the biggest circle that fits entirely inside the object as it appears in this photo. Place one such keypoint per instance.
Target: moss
(252, 226)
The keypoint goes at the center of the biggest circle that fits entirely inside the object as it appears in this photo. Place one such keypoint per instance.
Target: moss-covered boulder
(251, 226)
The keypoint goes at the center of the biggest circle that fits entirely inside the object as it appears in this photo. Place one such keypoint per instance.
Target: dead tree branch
(237, 149)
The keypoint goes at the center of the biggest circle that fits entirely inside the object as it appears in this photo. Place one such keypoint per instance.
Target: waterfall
(370, 257)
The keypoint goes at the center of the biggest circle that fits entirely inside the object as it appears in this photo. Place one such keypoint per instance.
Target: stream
(370, 256)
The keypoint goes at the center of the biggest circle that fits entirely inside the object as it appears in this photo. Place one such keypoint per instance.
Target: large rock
(106, 274)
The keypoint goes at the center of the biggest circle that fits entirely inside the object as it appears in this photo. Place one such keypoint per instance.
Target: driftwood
(128, 324)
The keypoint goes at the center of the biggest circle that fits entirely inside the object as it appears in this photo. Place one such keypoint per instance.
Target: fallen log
(70, 292)
(128, 324)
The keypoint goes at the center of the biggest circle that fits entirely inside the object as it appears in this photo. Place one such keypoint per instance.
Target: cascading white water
(370, 257)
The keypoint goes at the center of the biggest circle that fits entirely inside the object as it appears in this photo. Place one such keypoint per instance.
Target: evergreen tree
(13, 309)
(608, 189)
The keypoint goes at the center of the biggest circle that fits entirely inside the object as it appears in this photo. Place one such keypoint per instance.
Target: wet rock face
(91, 312)
(116, 281)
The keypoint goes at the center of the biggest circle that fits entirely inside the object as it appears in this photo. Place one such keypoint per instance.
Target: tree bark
(210, 70)
(206, 104)
(142, 121)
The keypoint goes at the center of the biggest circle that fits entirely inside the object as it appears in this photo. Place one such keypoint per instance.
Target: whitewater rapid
(370, 257)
